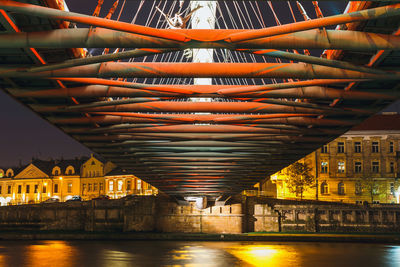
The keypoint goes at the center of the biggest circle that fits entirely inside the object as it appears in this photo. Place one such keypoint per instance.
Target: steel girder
(233, 140)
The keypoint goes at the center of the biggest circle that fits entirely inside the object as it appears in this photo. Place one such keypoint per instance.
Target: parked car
(74, 198)
(51, 200)
(102, 197)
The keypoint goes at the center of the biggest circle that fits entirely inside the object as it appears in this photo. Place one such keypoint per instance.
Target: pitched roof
(382, 122)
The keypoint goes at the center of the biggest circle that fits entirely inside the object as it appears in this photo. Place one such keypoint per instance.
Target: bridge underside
(261, 115)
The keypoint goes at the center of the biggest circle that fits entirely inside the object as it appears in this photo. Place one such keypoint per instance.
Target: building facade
(62, 179)
(361, 165)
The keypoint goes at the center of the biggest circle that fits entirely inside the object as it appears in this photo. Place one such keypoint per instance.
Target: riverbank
(388, 238)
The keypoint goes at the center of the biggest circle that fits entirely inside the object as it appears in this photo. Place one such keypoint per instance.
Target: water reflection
(267, 255)
(194, 254)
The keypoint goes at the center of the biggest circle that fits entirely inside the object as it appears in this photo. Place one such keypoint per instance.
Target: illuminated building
(362, 162)
(62, 179)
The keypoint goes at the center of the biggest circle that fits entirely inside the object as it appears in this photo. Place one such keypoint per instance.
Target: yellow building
(361, 165)
(62, 179)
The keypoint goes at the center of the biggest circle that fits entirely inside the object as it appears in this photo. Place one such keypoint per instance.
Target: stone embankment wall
(147, 214)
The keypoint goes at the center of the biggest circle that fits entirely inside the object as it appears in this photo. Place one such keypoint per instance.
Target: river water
(191, 254)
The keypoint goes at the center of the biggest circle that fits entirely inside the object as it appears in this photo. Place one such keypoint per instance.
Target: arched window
(56, 171)
(1, 173)
(324, 188)
(9, 173)
(70, 170)
(340, 188)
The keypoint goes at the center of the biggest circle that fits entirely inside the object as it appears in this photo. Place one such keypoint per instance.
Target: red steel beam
(218, 107)
(39, 11)
(200, 70)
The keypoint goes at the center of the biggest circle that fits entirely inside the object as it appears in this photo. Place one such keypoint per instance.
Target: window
(55, 188)
(44, 189)
(340, 167)
(83, 187)
(357, 147)
(341, 188)
(324, 167)
(95, 187)
(391, 147)
(120, 184)
(111, 185)
(139, 184)
(375, 166)
(69, 188)
(357, 167)
(9, 189)
(324, 149)
(340, 147)
(375, 147)
(27, 188)
(101, 186)
(392, 188)
(391, 167)
(36, 188)
(19, 189)
(0, 189)
(358, 188)
(128, 185)
(89, 187)
(324, 188)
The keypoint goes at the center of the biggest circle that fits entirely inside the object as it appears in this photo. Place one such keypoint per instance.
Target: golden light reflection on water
(265, 255)
(59, 253)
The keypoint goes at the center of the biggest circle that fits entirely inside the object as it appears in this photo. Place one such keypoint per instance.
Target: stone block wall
(147, 214)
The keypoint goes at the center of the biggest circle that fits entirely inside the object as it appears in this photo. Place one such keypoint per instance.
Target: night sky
(25, 135)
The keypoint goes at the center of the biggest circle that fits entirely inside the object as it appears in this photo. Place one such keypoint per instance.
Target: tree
(372, 187)
(300, 178)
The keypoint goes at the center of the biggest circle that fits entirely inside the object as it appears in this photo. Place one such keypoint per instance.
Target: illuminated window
(392, 188)
(324, 188)
(9, 189)
(95, 187)
(324, 167)
(375, 147)
(340, 147)
(120, 184)
(111, 185)
(36, 189)
(391, 147)
(341, 188)
(83, 187)
(44, 189)
(101, 186)
(55, 188)
(28, 188)
(89, 187)
(357, 167)
(324, 149)
(375, 166)
(139, 184)
(69, 188)
(128, 185)
(340, 167)
(357, 147)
